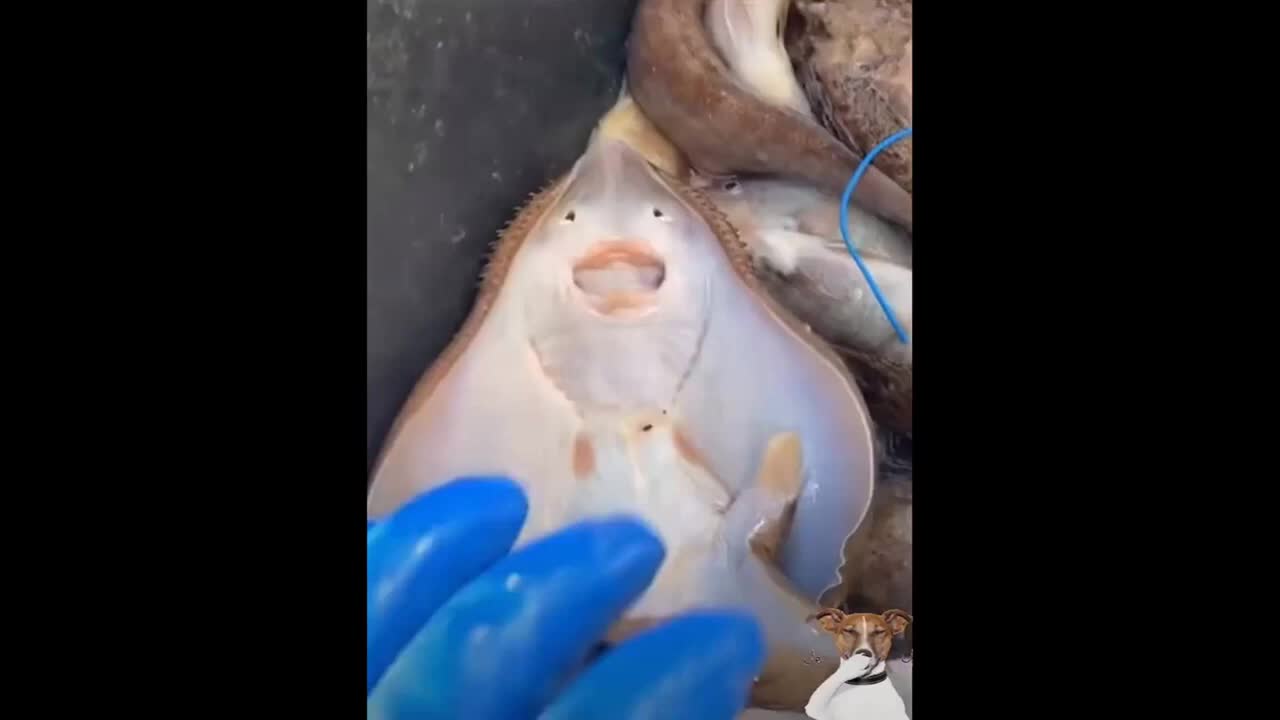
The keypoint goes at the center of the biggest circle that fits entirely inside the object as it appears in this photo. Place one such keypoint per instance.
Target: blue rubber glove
(458, 629)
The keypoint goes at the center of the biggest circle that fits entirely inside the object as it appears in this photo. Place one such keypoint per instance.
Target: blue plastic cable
(844, 228)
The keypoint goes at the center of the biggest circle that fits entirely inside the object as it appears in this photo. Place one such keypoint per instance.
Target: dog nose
(862, 651)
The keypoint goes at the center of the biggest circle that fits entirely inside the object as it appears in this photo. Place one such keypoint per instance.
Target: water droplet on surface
(424, 546)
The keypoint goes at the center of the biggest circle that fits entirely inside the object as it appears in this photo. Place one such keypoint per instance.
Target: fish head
(727, 191)
(772, 202)
(737, 199)
(619, 242)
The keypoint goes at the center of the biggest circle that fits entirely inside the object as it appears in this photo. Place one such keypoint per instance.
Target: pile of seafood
(674, 329)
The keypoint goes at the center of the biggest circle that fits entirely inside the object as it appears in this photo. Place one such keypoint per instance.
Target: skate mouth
(620, 277)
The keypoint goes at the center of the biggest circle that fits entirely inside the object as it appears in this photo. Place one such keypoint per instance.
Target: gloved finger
(420, 556)
(699, 665)
(504, 644)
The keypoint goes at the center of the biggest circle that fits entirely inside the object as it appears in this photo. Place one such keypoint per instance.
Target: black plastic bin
(472, 105)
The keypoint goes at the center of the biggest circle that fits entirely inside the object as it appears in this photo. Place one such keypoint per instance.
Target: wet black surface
(472, 106)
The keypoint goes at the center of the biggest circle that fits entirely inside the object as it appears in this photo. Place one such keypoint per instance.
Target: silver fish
(792, 232)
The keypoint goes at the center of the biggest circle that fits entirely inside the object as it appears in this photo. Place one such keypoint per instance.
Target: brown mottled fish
(723, 126)
(602, 368)
(854, 62)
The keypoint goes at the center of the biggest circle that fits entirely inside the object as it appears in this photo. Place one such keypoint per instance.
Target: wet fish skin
(831, 294)
(748, 35)
(647, 408)
(686, 89)
(792, 233)
(768, 203)
(853, 59)
(785, 225)
(628, 124)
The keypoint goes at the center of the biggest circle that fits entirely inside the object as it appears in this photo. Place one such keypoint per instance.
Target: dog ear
(898, 621)
(828, 618)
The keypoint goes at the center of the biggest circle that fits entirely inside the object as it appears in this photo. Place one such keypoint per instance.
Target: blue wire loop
(844, 228)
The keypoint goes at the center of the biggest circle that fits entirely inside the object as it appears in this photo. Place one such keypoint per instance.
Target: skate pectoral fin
(782, 468)
(766, 507)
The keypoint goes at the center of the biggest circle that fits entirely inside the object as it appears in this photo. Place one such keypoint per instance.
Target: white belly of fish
(555, 360)
(634, 464)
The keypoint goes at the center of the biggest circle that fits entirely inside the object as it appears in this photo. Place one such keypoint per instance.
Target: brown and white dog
(860, 687)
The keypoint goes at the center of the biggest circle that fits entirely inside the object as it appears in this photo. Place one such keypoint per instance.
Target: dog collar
(869, 679)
